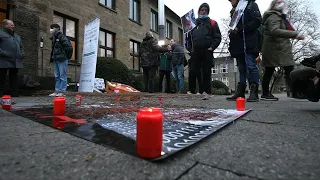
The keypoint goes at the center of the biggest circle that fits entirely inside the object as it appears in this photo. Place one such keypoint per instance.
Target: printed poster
(89, 56)
(188, 21)
(238, 14)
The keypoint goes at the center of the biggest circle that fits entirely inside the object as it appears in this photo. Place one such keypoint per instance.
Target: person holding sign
(204, 39)
(61, 52)
(244, 46)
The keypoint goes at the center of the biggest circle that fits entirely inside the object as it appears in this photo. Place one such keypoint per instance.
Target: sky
(220, 8)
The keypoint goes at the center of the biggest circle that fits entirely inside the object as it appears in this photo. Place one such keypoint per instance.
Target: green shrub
(220, 88)
(111, 69)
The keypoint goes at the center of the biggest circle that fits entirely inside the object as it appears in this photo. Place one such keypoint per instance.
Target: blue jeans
(179, 76)
(253, 73)
(60, 74)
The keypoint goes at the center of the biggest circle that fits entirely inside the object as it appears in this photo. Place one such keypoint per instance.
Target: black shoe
(241, 88)
(269, 97)
(253, 97)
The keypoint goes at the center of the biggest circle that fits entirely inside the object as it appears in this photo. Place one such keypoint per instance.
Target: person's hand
(169, 48)
(210, 49)
(300, 37)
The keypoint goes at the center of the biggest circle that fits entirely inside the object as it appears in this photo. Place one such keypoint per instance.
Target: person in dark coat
(276, 46)
(246, 60)
(204, 39)
(11, 55)
(149, 53)
(165, 69)
(178, 59)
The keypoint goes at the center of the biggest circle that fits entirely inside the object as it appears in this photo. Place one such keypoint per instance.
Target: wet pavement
(276, 140)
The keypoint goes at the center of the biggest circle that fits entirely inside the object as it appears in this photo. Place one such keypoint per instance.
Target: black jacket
(61, 47)
(203, 36)
(11, 50)
(178, 56)
(252, 21)
(149, 52)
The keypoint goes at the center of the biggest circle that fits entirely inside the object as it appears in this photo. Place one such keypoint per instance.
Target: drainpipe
(161, 21)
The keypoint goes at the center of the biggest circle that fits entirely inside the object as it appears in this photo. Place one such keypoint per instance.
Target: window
(214, 79)
(134, 55)
(181, 36)
(214, 70)
(169, 29)
(223, 68)
(106, 44)
(69, 27)
(154, 21)
(108, 3)
(135, 10)
(4, 13)
(225, 80)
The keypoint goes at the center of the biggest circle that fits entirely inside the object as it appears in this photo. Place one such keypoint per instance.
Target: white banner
(89, 56)
(188, 21)
(238, 13)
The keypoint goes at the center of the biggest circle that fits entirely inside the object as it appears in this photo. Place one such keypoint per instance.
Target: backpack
(213, 23)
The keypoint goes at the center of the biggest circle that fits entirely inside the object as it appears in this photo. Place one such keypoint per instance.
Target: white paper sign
(99, 84)
(188, 21)
(89, 56)
(238, 13)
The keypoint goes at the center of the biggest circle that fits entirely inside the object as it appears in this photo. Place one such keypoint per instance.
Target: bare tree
(305, 20)
(222, 50)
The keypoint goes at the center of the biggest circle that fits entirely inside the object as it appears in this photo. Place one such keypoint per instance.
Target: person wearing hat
(246, 60)
(204, 39)
(150, 61)
(60, 54)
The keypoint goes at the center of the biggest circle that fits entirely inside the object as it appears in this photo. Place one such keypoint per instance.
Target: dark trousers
(200, 69)
(13, 76)
(163, 74)
(149, 74)
(268, 75)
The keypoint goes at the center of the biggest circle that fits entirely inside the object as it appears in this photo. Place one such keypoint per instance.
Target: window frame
(156, 21)
(132, 54)
(6, 11)
(215, 69)
(76, 33)
(105, 5)
(227, 80)
(181, 36)
(170, 29)
(223, 68)
(105, 47)
(134, 10)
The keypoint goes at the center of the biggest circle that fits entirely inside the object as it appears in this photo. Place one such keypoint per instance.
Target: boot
(253, 97)
(241, 88)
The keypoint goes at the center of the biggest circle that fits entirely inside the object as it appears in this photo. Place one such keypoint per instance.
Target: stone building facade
(122, 28)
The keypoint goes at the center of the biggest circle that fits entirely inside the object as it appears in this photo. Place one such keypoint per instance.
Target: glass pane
(102, 52)
(58, 20)
(131, 9)
(2, 16)
(136, 48)
(109, 40)
(109, 53)
(102, 38)
(74, 50)
(70, 28)
(135, 10)
(109, 3)
(102, 2)
(3, 5)
(131, 47)
(136, 63)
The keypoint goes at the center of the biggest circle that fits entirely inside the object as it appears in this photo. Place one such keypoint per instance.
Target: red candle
(6, 102)
(78, 99)
(241, 104)
(59, 106)
(149, 132)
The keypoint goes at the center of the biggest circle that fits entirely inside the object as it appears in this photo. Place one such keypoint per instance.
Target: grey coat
(276, 46)
(11, 50)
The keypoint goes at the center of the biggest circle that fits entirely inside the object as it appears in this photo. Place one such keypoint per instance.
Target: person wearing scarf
(276, 46)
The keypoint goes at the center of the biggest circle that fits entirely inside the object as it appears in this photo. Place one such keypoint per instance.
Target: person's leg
(253, 78)
(146, 78)
(57, 75)
(152, 75)
(287, 71)
(3, 74)
(241, 87)
(63, 65)
(206, 70)
(199, 73)
(161, 77)
(168, 83)
(13, 78)
(266, 94)
(175, 73)
(180, 75)
(192, 76)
